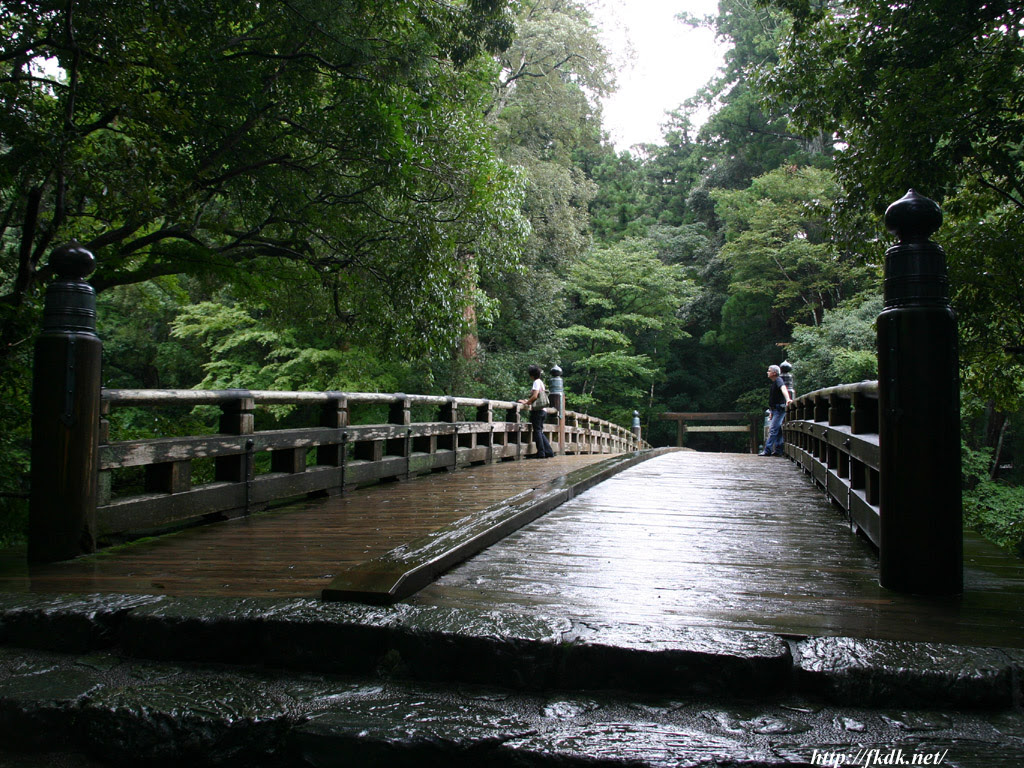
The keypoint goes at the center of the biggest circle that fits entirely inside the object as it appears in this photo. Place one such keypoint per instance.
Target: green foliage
(876, 76)
(134, 324)
(200, 137)
(544, 113)
(993, 508)
(246, 350)
(983, 241)
(625, 313)
(15, 423)
(842, 349)
(778, 247)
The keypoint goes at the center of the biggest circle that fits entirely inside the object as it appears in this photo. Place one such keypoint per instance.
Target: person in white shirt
(538, 401)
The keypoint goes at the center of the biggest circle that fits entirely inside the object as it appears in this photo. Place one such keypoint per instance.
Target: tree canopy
(206, 136)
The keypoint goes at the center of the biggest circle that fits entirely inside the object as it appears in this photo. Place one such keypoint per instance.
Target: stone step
(517, 652)
(100, 709)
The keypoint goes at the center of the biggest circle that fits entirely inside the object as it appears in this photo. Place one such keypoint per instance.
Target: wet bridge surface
(682, 540)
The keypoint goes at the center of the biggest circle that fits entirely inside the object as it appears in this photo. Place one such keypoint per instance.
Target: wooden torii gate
(682, 420)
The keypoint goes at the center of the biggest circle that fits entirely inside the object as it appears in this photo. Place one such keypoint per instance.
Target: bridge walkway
(726, 541)
(683, 540)
(292, 551)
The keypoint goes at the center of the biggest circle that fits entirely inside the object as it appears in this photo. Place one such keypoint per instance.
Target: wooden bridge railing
(832, 434)
(74, 462)
(463, 431)
(889, 451)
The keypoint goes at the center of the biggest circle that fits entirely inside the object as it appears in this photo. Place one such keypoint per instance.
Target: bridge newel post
(557, 399)
(66, 414)
(921, 527)
(636, 428)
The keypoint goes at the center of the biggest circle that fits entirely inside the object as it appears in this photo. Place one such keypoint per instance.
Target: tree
(747, 135)
(625, 312)
(877, 77)
(545, 112)
(778, 245)
(202, 136)
(928, 95)
(842, 349)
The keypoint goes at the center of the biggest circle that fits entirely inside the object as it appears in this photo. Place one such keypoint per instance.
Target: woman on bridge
(538, 401)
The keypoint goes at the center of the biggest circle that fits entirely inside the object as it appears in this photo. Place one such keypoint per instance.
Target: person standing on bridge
(778, 399)
(538, 401)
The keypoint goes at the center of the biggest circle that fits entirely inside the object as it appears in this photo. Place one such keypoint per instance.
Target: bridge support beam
(921, 528)
(65, 414)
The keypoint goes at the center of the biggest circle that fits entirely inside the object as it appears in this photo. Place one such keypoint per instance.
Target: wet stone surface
(72, 623)
(875, 671)
(119, 711)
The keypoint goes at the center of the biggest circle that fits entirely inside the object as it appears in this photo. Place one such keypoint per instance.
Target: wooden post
(556, 398)
(237, 417)
(485, 415)
(449, 414)
(333, 415)
(921, 528)
(400, 412)
(65, 414)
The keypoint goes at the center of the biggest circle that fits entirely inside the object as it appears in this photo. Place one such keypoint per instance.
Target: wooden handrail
(347, 454)
(832, 434)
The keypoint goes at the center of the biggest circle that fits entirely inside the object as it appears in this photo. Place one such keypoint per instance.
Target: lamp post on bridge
(921, 527)
(65, 414)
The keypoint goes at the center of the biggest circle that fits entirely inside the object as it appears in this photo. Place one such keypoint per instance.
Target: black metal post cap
(913, 218)
(72, 261)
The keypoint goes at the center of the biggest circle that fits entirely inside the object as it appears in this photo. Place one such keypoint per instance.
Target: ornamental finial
(72, 261)
(913, 218)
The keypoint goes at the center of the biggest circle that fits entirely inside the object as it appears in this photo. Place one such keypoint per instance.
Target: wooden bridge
(609, 529)
(722, 579)
(702, 523)
(684, 539)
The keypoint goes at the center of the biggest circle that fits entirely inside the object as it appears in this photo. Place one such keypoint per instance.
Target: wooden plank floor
(294, 551)
(724, 541)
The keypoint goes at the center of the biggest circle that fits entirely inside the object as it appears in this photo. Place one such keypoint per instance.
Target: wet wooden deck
(294, 551)
(687, 539)
(726, 541)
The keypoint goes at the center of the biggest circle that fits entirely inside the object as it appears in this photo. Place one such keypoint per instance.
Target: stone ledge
(128, 712)
(871, 672)
(509, 650)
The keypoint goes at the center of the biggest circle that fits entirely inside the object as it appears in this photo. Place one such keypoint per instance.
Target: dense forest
(419, 196)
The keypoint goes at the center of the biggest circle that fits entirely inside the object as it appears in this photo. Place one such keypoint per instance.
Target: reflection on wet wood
(294, 551)
(731, 541)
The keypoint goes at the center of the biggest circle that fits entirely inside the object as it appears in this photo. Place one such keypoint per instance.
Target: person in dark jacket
(778, 399)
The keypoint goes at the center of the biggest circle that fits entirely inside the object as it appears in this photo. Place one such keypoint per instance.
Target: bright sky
(672, 61)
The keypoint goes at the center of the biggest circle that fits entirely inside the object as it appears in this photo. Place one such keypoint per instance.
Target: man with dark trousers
(778, 399)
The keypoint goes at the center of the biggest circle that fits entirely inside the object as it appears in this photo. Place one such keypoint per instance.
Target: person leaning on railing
(538, 401)
(778, 399)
